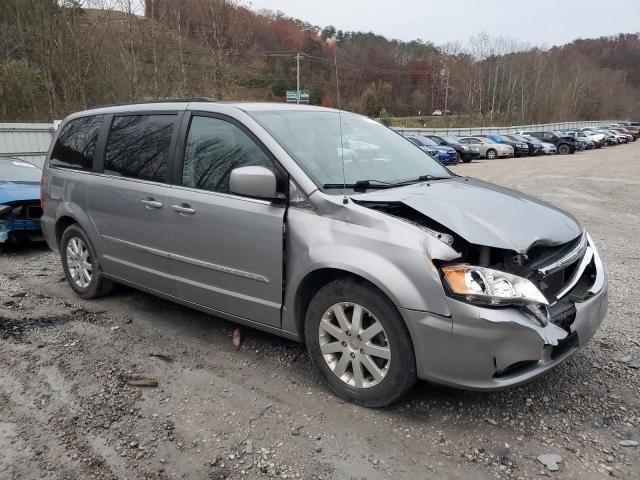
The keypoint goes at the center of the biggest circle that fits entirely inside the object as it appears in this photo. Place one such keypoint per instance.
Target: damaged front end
(514, 313)
(20, 221)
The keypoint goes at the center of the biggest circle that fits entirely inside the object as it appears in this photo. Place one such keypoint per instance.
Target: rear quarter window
(76, 143)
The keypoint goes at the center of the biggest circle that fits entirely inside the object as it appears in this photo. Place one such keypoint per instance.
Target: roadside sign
(292, 96)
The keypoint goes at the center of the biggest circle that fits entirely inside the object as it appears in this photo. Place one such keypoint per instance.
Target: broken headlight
(493, 287)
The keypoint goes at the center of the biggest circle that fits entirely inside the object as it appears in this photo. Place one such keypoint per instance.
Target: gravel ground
(68, 410)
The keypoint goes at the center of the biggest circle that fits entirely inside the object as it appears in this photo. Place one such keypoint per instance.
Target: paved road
(67, 412)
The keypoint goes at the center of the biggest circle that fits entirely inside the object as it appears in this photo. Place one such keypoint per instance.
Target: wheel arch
(313, 282)
(69, 213)
(62, 224)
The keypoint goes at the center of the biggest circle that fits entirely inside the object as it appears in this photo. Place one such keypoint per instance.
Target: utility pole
(446, 94)
(298, 57)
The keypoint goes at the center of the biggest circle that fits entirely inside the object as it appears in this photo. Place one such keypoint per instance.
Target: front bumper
(469, 155)
(520, 151)
(447, 158)
(15, 227)
(482, 348)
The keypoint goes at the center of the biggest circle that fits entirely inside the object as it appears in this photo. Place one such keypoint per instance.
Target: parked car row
(525, 143)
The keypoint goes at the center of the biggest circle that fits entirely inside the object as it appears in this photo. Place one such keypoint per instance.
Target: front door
(226, 250)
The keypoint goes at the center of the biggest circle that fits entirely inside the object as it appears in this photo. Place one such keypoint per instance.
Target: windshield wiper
(421, 178)
(360, 185)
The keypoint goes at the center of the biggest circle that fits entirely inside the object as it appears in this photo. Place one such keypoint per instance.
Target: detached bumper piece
(482, 348)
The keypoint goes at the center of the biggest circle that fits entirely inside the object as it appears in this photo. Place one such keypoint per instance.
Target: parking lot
(68, 410)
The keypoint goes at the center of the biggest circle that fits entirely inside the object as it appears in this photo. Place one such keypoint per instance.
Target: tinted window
(76, 144)
(214, 148)
(138, 146)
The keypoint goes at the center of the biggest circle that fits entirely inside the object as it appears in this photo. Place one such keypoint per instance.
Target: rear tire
(81, 266)
(492, 154)
(370, 370)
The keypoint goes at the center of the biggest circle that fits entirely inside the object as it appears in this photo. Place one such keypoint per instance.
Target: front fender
(391, 254)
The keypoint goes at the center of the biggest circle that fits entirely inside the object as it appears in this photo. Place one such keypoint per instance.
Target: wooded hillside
(58, 59)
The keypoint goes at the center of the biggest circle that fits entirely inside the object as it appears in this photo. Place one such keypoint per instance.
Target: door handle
(184, 209)
(151, 204)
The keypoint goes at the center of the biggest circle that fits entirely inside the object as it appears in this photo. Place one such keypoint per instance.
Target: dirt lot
(67, 412)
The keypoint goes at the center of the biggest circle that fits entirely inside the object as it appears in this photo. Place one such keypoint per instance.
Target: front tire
(358, 341)
(81, 266)
(564, 149)
(492, 154)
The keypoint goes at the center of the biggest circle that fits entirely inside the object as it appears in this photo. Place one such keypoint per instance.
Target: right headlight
(465, 148)
(485, 286)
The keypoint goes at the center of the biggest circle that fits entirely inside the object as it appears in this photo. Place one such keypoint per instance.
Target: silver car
(326, 228)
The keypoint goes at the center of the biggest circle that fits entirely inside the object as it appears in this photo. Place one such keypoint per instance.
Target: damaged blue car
(20, 208)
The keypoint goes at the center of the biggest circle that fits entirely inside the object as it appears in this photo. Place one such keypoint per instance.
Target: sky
(542, 23)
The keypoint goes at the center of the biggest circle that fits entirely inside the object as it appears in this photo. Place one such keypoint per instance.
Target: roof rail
(162, 100)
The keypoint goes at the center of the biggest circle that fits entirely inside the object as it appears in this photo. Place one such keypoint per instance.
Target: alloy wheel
(354, 345)
(79, 262)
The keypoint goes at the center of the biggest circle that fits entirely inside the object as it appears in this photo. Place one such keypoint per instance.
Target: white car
(548, 148)
(621, 137)
(595, 137)
(610, 139)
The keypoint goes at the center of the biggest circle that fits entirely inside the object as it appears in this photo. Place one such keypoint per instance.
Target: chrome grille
(561, 273)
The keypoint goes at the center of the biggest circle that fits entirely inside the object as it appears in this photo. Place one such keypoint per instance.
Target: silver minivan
(324, 227)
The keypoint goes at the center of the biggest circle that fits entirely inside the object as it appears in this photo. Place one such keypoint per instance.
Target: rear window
(138, 146)
(76, 143)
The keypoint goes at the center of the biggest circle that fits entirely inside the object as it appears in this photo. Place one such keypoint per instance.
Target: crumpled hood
(485, 214)
(18, 191)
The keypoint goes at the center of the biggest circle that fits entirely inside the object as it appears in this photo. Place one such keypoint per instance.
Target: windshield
(519, 138)
(426, 142)
(496, 138)
(19, 171)
(450, 139)
(372, 152)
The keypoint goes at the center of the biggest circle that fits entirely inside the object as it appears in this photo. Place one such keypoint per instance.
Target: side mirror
(258, 182)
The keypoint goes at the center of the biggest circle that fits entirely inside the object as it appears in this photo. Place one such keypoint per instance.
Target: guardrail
(463, 132)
